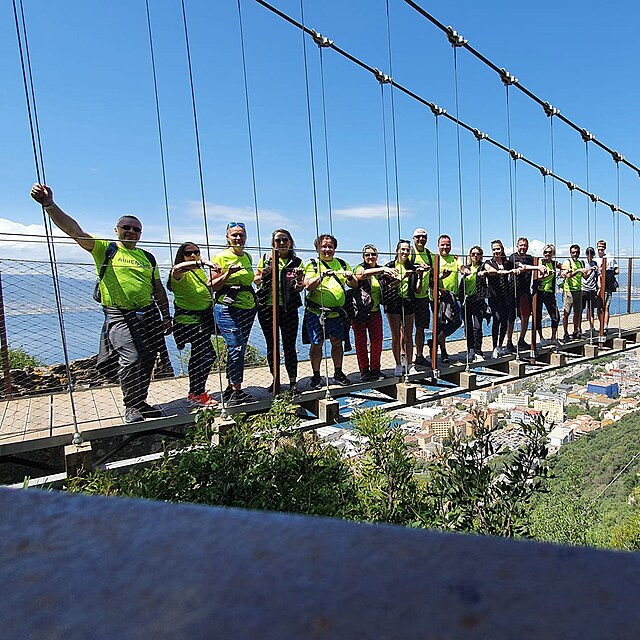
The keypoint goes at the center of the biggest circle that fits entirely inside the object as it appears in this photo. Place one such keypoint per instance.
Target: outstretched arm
(43, 195)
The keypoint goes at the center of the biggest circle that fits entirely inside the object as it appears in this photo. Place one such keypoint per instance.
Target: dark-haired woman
(290, 278)
(193, 318)
(235, 307)
(501, 295)
(399, 304)
(473, 290)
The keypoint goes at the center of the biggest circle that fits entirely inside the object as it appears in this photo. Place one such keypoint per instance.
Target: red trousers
(360, 329)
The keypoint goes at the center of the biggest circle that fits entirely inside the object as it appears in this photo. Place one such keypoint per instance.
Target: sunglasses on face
(547, 253)
(195, 252)
(420, 236)
(475, 253)
(369, 255)
(128, 227)
(230, 225)
(281, 239)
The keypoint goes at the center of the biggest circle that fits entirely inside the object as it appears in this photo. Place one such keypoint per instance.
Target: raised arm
(43, 195)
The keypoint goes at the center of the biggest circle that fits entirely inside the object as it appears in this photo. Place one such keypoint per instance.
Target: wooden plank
(14, 419)
(39, 415)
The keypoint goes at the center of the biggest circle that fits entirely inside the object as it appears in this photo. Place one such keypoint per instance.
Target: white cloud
(368, 212)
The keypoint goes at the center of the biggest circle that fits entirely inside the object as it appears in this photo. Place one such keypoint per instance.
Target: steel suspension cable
(431, 105)
(38, 156)
(201, 178)
(386, 166)
(438, 195)
(500, 71)
(480, 190)
(326, 140)
(588, 201)
(393, 121)
(553, 184)
(159, 124)
(248, 110)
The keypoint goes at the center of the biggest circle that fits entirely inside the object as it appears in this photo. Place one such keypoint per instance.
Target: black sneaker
(510, 348)
(149, 411)
(421, 361)
(132, 415)
(366, 376)
(523, 345)
(445, 358)
(314, 383)
(376, 374)
(235, 399)
(226, 394)
(566, 338)
(341, 378)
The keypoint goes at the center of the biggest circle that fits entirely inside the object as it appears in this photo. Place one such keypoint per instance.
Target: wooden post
(275, 317)
(78, 459)
(4, 347)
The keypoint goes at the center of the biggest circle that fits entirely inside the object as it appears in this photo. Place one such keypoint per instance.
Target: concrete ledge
(78, 567)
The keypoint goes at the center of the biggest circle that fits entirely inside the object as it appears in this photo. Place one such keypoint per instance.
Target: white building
(552, 408)
(560, 435)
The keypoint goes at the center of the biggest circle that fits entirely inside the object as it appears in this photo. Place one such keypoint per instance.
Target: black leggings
(548, 298)
(202, 354)
(502, 312)
(473, 315)
(288, 332)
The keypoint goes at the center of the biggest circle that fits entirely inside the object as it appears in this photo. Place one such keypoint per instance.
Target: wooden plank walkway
(36, 422)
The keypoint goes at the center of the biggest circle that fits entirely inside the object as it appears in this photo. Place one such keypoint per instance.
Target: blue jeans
(234, 326)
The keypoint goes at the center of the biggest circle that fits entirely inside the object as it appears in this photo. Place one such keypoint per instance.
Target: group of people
(222, 296)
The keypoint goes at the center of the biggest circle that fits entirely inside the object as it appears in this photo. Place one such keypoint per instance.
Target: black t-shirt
(499, 286)
(523, 281)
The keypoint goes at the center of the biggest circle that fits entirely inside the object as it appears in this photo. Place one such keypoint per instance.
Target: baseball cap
(420, 232)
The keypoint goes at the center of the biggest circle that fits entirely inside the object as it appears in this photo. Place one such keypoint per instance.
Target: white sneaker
(471, 355)
(496, 353)
(413, 371)
(398, 371)
(478, 358)
(403, 360)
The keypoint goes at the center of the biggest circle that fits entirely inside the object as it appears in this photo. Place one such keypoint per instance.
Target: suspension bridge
(44, 304)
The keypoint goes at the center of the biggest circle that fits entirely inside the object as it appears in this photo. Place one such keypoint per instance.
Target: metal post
(602, 293)
(630, 268)
(275, 317)
(4, 347)
(434, 322)
(534, 308)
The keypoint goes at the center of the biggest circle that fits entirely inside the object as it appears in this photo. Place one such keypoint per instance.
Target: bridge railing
(41, 315)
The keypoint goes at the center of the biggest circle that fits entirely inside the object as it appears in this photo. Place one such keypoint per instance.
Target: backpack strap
(109, 253)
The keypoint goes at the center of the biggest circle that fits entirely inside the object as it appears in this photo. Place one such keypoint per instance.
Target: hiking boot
(131, 415)
(315, 382)
(201, 400)
(149, 411)
(421, 361)
(341, 378)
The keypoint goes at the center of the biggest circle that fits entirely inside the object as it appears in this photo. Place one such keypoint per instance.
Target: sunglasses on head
(230, 225)
(194, 252)
(129, 227)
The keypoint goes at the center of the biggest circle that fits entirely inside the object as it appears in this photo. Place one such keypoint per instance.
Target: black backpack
(358, 304)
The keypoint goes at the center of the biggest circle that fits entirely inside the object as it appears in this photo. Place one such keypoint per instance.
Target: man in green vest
(423, 260)
(572, 271)
(132, 298)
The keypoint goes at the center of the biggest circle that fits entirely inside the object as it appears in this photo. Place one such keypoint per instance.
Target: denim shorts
(332, 327)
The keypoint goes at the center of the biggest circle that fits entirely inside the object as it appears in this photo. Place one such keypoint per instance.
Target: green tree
(19, 359)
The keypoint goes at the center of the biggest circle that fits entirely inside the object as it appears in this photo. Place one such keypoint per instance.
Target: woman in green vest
(193, 318)
(235, 307)
(546, 294)
(473, 292)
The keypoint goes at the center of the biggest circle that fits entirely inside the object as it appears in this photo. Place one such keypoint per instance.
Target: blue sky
(94, 91)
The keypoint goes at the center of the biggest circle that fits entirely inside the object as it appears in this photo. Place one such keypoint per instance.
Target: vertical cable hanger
(160, 137)
(587, 137)
(436, 112)
(550, 113)
(480, 136)
(326, 137)
(38, 156)
(393, 121)
(249, 130)
(617, 158)
(385, 79)
(309, 123)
